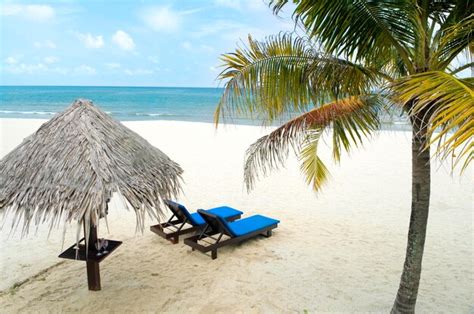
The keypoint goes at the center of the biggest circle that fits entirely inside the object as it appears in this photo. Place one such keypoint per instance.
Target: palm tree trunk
(410, 280)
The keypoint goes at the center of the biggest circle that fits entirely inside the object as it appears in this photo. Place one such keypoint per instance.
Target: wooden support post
(93, 271)
(93, 276)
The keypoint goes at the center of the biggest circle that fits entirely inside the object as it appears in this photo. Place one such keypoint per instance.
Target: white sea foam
(153, 114)
(49, 113)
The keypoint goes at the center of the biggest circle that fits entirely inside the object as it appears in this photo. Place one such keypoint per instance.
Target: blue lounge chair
(236, 231)
(174, 227)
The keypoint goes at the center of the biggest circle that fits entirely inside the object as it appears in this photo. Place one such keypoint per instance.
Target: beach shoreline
(339, 250)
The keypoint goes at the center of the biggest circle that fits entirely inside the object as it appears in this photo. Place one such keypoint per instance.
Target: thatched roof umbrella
(70, 168)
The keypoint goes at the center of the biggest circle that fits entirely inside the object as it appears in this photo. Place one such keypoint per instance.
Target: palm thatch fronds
(71, 166)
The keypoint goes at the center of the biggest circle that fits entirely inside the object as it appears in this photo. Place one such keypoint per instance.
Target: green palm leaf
(312, 166)
(355, 116)
(286, 74)
(449, 102)
(453, 41)
(363, 29)
(401, 48)
(448, 12)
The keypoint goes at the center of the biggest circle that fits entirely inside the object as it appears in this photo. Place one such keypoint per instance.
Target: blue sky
(128, 43)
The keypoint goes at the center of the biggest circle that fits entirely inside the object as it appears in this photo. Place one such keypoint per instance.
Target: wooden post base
(93, 275)
(91, 255)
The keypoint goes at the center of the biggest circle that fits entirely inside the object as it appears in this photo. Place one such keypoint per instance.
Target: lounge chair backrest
(180, 211)
(216, 223)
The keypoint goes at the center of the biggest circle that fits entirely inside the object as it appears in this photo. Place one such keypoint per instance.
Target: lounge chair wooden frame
(215, 230)
(177, 222)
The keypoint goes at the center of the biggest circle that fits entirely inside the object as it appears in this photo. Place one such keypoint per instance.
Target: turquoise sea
(122, 103)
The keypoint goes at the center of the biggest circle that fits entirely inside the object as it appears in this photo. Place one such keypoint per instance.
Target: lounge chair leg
(193, 249)
(174, 240)
(214, 254)
(269, 233)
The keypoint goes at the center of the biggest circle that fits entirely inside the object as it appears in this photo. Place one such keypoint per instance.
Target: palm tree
(359, 57)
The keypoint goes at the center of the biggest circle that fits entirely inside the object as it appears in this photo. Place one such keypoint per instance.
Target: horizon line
(138, 86)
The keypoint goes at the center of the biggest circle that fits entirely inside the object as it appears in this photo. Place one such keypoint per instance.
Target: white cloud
(22, 68)
(113, 65)
(213, 69)
(243, 5)
(36, 68)
(207, 48)
(217, 27)
(161, 19)
(186, 45)
(139, 72)
(256, 6)
(91, 41)
(50, 60)
(123, 40)
(241, 33)
(33, 12)
(45, 44)
(11, 60)
(233, 4)
(154, 59)
(16, 67)
(234, 31)
(60, 70)
(84, 69)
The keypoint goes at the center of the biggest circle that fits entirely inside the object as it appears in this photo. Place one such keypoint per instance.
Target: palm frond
(355, 116)
(449, 101)
(312, 166)
(259, 75)
(286, 74)
(462, 68)
(350, 130)
(449, 12)
(452, 42)
(358, 28)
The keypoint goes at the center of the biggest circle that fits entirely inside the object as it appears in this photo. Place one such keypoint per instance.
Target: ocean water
(123, 103)
(126, 103)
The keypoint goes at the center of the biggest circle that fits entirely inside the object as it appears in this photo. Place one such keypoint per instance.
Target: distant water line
(127, 103)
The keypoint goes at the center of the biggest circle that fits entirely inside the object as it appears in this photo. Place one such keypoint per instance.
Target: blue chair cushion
(248, 225)
(224, 212)
(197, 219)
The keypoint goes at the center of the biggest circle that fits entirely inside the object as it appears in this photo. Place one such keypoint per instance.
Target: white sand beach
(340, 250)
